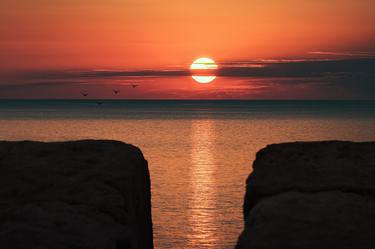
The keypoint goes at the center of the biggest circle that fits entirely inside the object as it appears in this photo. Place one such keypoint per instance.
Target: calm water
(199, 152)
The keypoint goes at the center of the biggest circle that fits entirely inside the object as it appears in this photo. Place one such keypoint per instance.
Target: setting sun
(202, 69)
(203, 63)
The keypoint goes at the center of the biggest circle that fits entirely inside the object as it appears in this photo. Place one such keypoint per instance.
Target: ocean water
(199, 152)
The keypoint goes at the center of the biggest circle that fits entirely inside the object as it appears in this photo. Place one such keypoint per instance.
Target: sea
(200, 152)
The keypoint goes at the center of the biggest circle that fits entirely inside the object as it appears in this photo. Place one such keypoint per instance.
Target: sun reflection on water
(202, 204)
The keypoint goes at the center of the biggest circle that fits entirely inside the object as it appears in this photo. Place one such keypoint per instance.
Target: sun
(203, 63)
(203, 70)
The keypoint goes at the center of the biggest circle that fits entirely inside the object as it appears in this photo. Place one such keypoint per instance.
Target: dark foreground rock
(317, 195)
(76, 195)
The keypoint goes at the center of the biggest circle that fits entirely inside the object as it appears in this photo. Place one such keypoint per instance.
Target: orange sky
(123, 34)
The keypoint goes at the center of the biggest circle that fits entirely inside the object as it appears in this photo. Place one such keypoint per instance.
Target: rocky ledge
(77, 195)
(311, 195)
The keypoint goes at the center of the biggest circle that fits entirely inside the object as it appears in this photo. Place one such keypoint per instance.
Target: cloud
(361, 54)
(346, 78)
(307, 68)
(266, 69)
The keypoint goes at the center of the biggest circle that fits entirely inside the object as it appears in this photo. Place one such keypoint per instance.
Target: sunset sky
(264, 49)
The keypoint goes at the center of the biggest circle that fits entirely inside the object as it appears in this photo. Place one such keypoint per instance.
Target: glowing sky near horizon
(162, 33)
(43, 35)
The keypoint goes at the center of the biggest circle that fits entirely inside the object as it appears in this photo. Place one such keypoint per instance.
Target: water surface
(199, 152)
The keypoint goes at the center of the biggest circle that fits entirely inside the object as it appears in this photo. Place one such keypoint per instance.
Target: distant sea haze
(199, 152)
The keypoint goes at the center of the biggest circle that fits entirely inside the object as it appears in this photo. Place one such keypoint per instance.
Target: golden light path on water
(202, 205)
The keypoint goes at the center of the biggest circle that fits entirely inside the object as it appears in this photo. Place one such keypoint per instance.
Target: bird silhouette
(99, 103)
(134, 85)
(84, 94)
(116, 91)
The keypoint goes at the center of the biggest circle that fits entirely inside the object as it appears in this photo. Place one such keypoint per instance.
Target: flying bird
(116, 91)
(84, 94)
(134, 85)
(99, 103)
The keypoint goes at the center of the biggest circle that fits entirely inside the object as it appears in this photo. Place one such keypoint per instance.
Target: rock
(77, 195)
(311, 195)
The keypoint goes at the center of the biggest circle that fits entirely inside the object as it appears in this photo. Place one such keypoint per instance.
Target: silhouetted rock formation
(83, 194)
(317, 195)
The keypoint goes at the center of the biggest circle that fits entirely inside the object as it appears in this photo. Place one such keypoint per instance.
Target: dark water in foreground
(199, 152)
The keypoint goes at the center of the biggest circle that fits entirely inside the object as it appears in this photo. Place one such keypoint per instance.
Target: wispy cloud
(357, 54)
